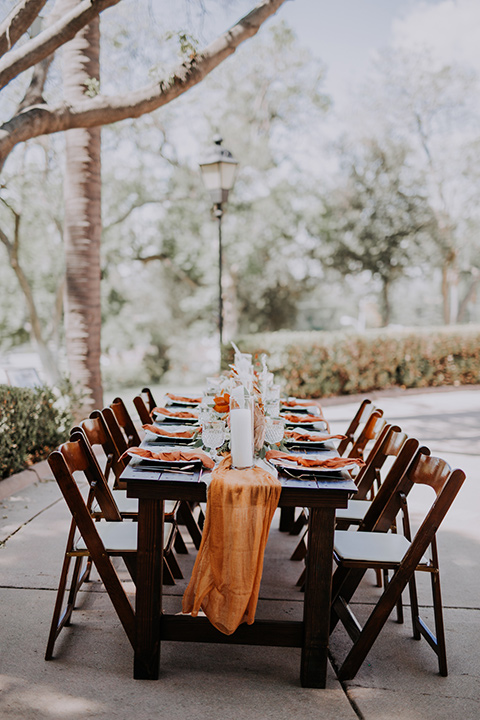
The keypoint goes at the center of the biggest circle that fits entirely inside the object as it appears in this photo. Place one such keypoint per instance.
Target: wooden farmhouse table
(321, 495)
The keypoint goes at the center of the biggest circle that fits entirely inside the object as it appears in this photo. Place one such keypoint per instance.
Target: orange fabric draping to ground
(226, 577)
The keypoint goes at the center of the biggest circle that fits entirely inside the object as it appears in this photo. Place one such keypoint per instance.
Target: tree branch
(46, 42)
(181, 274)
(101, 110)
(18, 22)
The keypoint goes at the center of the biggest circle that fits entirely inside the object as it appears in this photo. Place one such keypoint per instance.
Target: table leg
(318, 584)
(149, 589)
(287, 518)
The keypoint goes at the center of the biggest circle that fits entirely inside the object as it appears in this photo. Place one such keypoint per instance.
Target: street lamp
(218, 172)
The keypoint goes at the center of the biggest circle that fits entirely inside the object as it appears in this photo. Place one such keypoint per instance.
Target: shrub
(322, 364)
(32, 423)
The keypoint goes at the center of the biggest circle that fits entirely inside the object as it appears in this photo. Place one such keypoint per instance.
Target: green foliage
(32, 423)
(156, 361)
(316, 364)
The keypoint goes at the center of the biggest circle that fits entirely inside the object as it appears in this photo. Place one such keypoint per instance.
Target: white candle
(241, 437)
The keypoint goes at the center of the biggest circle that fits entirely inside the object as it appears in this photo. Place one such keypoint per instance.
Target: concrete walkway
(91, 675)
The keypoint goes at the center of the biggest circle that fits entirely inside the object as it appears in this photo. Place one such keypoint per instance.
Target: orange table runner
(226, 576)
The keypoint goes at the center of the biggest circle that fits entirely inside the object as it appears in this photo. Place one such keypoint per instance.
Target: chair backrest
(97, 433)
(150, 399)
(77, 456)
(405, 451)
(115, 430)
(125, 421)
(142, 410)
(388, 445)
(372, 428)
(425, 469)
(364, 411)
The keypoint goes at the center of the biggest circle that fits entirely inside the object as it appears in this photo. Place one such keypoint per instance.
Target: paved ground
(91, 674)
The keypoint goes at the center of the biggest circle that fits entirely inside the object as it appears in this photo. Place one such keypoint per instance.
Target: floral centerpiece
(243, 389)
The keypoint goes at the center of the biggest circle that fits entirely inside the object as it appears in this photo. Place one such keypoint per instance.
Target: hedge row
(32, 423)
(322, 364)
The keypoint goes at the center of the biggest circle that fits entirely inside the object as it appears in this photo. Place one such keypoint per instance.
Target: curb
(39, 472)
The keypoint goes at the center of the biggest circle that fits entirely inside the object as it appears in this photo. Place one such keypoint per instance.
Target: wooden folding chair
(186, 511)
(91, 540)
(125, 422)
(143, 411)
(365, 426)
(370, 431)
(150, 400)
(372, 546)
(363, 413)
(375, 429)
(392, 443)
(97, 434)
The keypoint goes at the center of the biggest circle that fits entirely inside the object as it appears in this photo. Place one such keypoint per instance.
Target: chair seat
(355, 511)
(120, 537)
(383, 549)
(129, 506)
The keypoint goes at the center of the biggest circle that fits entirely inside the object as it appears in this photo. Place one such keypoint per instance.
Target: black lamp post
(218, 172)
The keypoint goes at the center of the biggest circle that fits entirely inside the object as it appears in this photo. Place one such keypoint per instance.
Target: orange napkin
(336, 463)
(172, 455)
(158, 431)
(309, 436)
(183, 414)
(298, 403)
(180, 398)
(302, 418)
(227, 572)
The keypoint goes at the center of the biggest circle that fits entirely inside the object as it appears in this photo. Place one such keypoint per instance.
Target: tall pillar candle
(241, 437)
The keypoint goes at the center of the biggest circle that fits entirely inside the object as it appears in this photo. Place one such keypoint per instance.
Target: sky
(346, 33)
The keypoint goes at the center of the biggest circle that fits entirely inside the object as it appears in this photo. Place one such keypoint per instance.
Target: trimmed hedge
(322, 364)
(31, 425)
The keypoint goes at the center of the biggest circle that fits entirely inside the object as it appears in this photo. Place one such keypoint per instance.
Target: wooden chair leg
(179, 544)
(299, 523)
(168, 578)
(173, 565)
(300, 551)
(186, 515)
(440, 645)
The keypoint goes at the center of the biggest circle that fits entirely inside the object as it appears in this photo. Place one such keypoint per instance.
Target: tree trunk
(83, 222)
(385, 305)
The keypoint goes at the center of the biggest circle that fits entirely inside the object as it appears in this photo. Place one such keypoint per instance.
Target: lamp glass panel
(228, 170)
(212, 177)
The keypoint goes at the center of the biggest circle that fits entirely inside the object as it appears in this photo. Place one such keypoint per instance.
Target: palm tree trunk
(83, 222)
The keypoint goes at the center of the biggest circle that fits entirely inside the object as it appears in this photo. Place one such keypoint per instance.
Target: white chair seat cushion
(116, 536)
(130, 505)
(355, 511)
(121, 536)
(371, 547)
